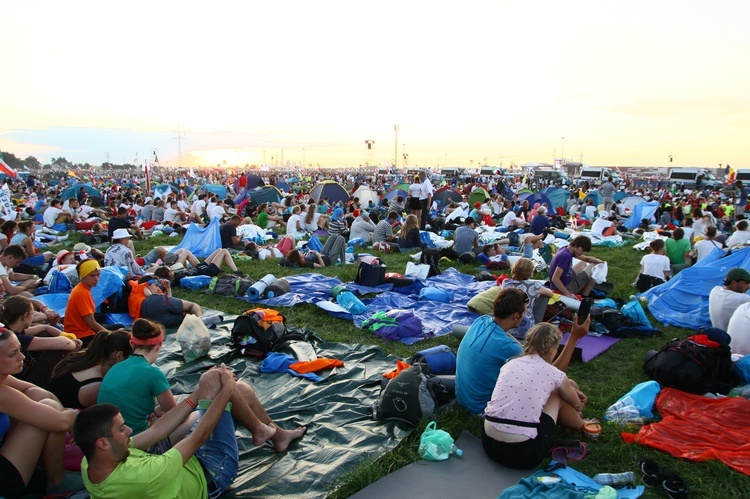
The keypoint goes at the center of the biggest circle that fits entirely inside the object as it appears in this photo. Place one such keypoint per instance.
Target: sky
(299, 82)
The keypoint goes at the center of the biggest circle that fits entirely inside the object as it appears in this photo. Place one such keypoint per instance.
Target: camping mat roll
(259, 288)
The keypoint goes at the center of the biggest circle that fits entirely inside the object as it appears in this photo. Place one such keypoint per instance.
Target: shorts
(210, 269)
(522, 455)
(11, 481)
(580, 280)
(219, 455)
(414, 204)
(163, 309)
(151, 257)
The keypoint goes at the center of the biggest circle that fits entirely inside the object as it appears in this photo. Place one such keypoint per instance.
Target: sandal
(674, 486)
(650, 471)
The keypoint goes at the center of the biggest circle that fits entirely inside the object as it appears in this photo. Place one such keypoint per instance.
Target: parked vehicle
(598, 175)
(692, 178)
(554, 175)
(743, 175)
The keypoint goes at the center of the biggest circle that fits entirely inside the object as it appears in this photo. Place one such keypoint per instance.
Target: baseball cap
(738, 274)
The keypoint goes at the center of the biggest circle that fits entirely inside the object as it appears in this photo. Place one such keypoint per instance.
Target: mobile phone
(584, 309)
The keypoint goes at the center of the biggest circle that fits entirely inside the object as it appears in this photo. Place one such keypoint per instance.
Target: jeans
(151, 257)
(219, 455)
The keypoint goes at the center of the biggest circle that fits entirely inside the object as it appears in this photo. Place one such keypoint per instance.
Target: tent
(332, 189)
(365, 195)
(536, 198)
(72, 192)
(445, 196)
(557, 196)
(201, 241)
(641, 211)
(468, 189)
(629, 202)
(267, 194)
(253, 181)
(683, 300)
(283, 186)
(217, 189)
(394, 193)
(478, 195)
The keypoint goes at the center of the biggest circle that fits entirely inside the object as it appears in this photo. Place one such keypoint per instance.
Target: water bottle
(351, 303)
(456, 451)
(614, 478)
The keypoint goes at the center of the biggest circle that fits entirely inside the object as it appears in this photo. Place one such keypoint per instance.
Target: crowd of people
(80, 381)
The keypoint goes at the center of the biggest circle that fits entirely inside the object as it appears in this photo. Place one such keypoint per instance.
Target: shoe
(650, 471)
(674, 486)
(240, 273)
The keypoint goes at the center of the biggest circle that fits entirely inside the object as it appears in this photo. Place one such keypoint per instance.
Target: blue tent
(217, 189)
(72, 192)
(201, 241)
(641, 211)
(683, 301)
(333, 190)
(267, 194)
(283, 186)
(534, 198)
(557, 196)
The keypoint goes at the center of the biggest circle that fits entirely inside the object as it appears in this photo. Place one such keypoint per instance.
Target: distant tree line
(60, 163)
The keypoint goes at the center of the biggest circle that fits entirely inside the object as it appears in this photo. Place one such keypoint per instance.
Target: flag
(6, 206)
(192, 173)
(147, 169)
(71, 173)
(4, 168)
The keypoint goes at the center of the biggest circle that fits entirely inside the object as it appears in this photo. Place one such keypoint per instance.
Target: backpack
(60, 283)
(370, 275)
(258, 331)
(431, 257)
(230, 285)
(692, 367)
(118, 302)
(314, 244)
(394, 324)
(407, 397)
(514, 240)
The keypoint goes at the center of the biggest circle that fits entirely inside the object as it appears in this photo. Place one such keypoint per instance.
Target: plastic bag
(436, 445)
(417, 270)
(638, 402)
(194, 338)
(634, 311)
(599, 273)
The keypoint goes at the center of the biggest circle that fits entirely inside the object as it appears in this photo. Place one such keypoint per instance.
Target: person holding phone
(568, 279)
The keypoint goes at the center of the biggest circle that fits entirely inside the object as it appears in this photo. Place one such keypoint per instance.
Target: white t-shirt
(215, 211)
(655, 265)
(739, 331)
(292, 226)
(171, 215)
(509, 218)
(84, 211)
(590, 212)
(599, 226)
(704, 247)
(3, 271)
(739, 237)
(722, 303)
(50, 215)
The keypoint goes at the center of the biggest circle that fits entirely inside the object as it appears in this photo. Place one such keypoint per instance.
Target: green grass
(604, 380)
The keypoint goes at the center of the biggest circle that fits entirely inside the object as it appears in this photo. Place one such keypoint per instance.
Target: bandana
(87, 268)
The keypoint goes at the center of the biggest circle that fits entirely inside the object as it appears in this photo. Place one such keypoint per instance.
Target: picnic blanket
(699, 428)
(336, 410)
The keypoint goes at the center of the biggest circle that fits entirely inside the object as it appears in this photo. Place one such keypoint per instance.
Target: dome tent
(332, 189)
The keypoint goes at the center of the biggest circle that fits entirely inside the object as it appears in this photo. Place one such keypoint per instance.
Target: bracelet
(190, 403)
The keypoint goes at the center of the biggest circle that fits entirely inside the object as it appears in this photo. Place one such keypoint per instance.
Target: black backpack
(692, 367)
(407, 397)
(431, 257)
(514, 239)
(230, 285)
(118, 302)
(261, 330)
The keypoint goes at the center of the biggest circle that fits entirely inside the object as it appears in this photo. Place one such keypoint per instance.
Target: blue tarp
(201, 241)
(437, 318)
(110, 282)
(641, 211)
(683, 301)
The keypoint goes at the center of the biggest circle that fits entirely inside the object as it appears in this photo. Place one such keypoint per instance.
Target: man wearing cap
(724, 300)
(362, 227)
(120, 254)
(79, 312)
(147, 210)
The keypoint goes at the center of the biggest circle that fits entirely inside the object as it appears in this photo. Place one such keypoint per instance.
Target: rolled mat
(278, 288)
(256, 290)
(459, 330)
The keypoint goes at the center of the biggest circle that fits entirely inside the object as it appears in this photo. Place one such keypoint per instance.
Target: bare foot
(268, 432)
(285, 437)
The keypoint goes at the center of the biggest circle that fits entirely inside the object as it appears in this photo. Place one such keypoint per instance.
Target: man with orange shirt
(79, 313)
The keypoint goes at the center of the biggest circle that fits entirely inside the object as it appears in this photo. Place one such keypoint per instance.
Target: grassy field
(604, 380)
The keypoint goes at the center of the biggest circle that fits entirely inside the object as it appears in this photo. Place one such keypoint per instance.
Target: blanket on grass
(700, 428)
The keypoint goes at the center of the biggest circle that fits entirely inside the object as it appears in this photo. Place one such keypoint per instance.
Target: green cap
(738, 274)
(339, 288)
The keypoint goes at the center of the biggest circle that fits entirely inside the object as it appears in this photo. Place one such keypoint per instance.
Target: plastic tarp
(557, 196)
(683, 300)
(336, 412)
(333, 190)
(110, 282)
(437, 318)
(641, 211)
(699, 428)
(201, 241)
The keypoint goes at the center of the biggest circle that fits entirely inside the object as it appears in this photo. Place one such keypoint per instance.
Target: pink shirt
(523, 388)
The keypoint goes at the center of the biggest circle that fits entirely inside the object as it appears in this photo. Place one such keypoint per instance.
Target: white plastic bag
(194, 338)
(417, 270)
(599, 273)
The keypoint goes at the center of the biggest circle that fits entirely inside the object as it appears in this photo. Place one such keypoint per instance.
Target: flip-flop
(674, 486)
(650, 471)
(575, 451)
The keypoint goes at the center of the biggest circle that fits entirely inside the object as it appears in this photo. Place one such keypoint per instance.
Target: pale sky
(625, 83)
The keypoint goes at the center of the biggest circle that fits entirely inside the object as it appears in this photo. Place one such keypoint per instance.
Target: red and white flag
(4, 168)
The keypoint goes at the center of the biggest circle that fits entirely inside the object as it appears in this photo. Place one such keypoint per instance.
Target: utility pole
(395, 147)
(179, 138)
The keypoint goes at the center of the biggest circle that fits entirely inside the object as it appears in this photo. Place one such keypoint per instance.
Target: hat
(364, 214)
(62, 254)
(477, 205)
(148, 198)
(337, 213)
(737, 274)
(120, 234)
(81, 247)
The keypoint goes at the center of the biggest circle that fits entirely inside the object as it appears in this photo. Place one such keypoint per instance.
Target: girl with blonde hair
(521, 279)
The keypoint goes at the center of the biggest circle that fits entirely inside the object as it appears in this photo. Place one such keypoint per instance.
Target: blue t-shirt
(538, 224)
(564, 259)
(483, 351)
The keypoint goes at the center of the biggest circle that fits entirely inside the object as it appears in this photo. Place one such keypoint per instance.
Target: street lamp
(562, 153)
(395, 147)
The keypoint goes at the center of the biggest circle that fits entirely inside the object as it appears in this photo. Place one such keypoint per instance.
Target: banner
(6, 205)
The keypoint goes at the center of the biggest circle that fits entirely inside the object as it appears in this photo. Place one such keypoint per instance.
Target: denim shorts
(151, 257)
(219, 455)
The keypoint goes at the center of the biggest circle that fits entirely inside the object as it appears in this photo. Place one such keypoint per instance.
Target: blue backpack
(314, 243)
(394, 324)
(59, 283)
